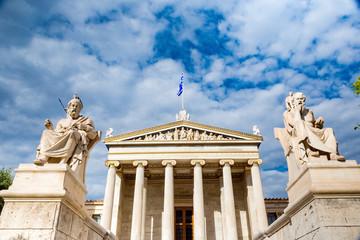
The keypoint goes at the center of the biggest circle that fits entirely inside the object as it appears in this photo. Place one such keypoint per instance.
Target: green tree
(356, 88)
(5, 182)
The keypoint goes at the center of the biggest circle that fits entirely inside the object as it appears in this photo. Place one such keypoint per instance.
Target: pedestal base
(324, 203)
(325, 178)
(47, 202)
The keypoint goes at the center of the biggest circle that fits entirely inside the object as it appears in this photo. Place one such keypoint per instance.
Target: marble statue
(161, 136)
(256, 130)
(289, 101)
(190, 134)
(176, 134)
(182, 116)
(109, 132)
(168, 135)
(204, 136)
(211, 136)
(306, 136)
(182, 134)
(197, 135)
(71, 141)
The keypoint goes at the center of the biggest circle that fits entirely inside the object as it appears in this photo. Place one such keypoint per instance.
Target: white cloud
(274, 41)
(274, 183)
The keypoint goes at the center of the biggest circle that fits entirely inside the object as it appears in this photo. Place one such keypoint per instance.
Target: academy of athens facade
(184, 180)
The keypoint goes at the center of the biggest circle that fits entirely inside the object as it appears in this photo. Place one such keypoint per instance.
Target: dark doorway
(184, 219)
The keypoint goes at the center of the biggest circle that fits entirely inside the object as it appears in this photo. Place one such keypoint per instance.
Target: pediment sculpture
(256, 130)
(182, 115)
(109, 132)
(304, 139)
(70, 142)
(182, 134)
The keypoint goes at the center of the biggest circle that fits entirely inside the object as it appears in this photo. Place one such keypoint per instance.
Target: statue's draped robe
(304, 130)
(66, 141)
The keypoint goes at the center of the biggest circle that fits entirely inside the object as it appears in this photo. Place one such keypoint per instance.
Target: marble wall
(43, 220)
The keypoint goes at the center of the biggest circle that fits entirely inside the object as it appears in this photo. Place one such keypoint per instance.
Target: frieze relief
(183, 134)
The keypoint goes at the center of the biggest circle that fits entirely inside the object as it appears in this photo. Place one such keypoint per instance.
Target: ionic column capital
(136, 163)
(255, 161)
(110, 163)
(224, 161)
(201, 162)
(165, 162)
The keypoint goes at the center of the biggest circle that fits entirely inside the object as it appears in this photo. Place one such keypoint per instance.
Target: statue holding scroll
(304, 136)
(70, 142)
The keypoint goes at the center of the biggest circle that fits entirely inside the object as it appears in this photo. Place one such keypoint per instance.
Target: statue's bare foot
(313, 153)
(337, 157)
(40, 160)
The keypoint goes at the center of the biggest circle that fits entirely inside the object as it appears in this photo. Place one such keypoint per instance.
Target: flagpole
(182, 95)
(181, 91)
(182, 100)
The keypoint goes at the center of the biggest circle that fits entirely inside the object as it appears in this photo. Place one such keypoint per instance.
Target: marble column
(229, 203)
(167, 230)
(250, 200)
(117, 205)
(222, 205)
(143, 217)
(198, 201)
(109, 194)
(136, 223)
(258, 193)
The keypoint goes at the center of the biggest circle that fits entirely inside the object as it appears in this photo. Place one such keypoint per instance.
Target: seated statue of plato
(71, 140)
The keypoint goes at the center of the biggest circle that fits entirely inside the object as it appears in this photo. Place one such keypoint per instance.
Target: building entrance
(184, 223)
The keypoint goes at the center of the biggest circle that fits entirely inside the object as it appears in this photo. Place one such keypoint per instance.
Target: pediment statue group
(183, 134)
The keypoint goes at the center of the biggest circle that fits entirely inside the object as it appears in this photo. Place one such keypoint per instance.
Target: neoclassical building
(184, 180)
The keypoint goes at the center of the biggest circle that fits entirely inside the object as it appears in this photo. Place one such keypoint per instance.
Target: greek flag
(180, 91)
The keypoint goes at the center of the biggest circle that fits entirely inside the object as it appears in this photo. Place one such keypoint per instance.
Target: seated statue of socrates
(306, 136)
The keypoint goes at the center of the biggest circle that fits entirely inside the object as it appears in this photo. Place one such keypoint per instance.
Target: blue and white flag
(180, 91)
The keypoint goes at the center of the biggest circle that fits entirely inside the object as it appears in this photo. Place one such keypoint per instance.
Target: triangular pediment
(183, 131)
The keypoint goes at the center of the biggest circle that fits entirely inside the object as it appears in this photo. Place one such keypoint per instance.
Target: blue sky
(125, 58)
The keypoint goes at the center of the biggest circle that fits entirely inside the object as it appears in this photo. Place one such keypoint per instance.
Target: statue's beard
(73, 114)
(302, 107)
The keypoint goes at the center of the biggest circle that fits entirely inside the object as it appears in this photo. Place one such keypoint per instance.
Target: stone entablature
(183, 131)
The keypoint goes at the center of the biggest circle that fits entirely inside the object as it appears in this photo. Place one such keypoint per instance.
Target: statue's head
(299, 99)
(74, 107)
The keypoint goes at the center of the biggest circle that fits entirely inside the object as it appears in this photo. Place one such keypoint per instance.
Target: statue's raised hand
(48, 124)
(319, 123)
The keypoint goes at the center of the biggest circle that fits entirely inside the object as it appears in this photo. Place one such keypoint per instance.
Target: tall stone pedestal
(324, 203)
(47, 202)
